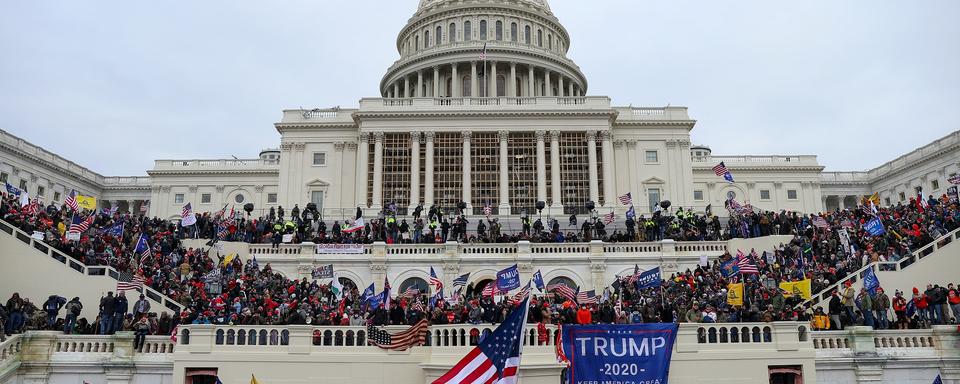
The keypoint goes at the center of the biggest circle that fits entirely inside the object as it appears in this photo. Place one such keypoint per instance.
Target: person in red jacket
(583, 316)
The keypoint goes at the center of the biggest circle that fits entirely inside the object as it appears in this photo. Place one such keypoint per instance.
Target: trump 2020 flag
(497, 358)
(538, 280)
(870, 281)
(608, 353)
(508, 279)
(649, 279)
(875, 227)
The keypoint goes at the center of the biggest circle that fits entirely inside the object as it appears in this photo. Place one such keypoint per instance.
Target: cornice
(64, 172)
(214, 172)
(655, 123)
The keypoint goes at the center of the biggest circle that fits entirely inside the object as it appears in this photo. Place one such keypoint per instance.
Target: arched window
(565, 281)
(526, 34)
(549, 41)
(539, 38)
(426, 39)
(438, 35)
(501, 85)
(414, 282)
(483, 29)
(499, 30)
(513, 32)
(416, 44)
(453, 33)
(465, 88)
(467, 32)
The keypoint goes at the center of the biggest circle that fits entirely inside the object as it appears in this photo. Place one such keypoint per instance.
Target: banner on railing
(37, 235)
(636, 353)
(288, 238)
(340, 248)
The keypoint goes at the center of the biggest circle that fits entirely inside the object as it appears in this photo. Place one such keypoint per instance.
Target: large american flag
(32, 207)
(411, 292)
(129, 282)
(626, 199)
(608, 218)
(71, 201)
(636, 274)
(414, 336)
(80, 225)
(720, 169)
(435, 281)
(746, 265)
(496, 359)
(563, 290)
(490, 289)
(522, 295)
(587, 297)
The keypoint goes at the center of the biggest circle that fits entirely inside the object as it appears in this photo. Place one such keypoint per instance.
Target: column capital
(466, 135)
(606, 135)
(416, 138)
(619, 143)
(364, 137)
(378, 137)
(351, 145)
(541, 135)
(428, 136)
(591, 135)
(339, 146)
(555, 135)
(504, 134)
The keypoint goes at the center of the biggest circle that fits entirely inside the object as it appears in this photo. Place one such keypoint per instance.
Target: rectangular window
(903, 196)
(698, 195)
(791, 194)
(316, 197)
(23, 185)
(652, 157)
(56, 196)
(319, 158)
(764, 194)
(271, 198)
(653, 197)
(3, 177)
(935, 184)
(41, 191)
(178, 198)
(205, 198)
(886, 201)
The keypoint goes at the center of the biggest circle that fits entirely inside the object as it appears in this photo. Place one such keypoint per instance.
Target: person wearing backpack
(73, 312)
(52, 308)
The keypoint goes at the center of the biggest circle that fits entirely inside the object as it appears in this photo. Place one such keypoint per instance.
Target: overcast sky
(113, 85)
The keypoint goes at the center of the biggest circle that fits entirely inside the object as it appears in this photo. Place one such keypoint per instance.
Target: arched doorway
(477, 288)
(348, 285)
(414, 283)
(563, 280)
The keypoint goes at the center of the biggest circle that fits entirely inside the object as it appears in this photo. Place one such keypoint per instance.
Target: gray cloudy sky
(115, 84)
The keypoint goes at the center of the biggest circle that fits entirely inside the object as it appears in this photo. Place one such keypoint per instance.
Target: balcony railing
(216, 164)
(483, 103)
(778, 160)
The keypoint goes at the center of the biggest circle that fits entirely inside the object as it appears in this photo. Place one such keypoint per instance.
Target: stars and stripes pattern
(632, 279)
(496, 359)
(32, 208)
(78, 225)
(746, 265)
(71, 201)
(587, 297)
(563, 290)
(142, 248)
(434, 281)
(722, 171)
(955, 179)
(461, 281)
(608, 218)
(490, 289)
(415, 335)
(222, 231)
(521, 296)
(411, 292)
(129, 282)
(819, 222)
(487, 210)
(626, 199)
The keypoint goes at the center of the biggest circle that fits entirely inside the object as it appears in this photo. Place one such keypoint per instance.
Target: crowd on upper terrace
(214, 290)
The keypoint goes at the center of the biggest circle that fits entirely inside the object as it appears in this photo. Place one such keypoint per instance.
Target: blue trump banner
(508, 279)
(636, 353)
(649, 279)
(870, 281)
(874, 227)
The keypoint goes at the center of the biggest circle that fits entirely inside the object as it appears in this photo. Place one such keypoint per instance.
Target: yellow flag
(735, 294)
(253, 379)
(229, 259)
(795, 288)
(87, 202)
(875, 198)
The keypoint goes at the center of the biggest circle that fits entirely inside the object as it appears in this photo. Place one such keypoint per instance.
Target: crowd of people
(215, 289)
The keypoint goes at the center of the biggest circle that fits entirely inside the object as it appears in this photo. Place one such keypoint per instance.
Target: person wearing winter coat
(881, 305)
(73, 312)
(584, 316)
(52, 308)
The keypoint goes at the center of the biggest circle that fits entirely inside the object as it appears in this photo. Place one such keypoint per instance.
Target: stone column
(455, 87)
(414, 169)
(420, 89)
(377, 170)
(467, 184)
(541, 167)
(547, 89)
(363, 159)
(570, 85)
(406, 87)
(608, 162)
(513, 81)
(493, 79)
(428, 173)
(592, 165)
(436, 81)
(474, 82)
(504, 173)
(132, 206)
(555, 168)
(560, 89)
(396, 90)
(530, 81)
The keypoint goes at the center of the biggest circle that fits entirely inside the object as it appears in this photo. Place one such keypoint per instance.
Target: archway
(477, 288)
(414, 282)
(563, 280)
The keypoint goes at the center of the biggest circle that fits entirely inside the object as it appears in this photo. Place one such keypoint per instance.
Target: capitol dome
(483, 49)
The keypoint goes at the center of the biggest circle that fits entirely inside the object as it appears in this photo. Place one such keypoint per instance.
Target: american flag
(496, 359)
(129, 282)
(222, 231)
(722, 171)
(490, 289)
(626, 199)
(522, 295)
(402, 341)
(746, 265)
(461, 281)
(819, 222)
(608, 218)
(938, 380)
(411, 292)
(186, 216)
(142, 248)
(588, 297)
(487, 210)
(636, 275)
(434, 281)
(483, 54)
(144, 207)
(78, 225)
(32, 208)
(954, 179)
(71, 201)
(563, 290)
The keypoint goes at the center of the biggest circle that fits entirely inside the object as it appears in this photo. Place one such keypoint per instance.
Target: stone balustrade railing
(773, 160)
(941, 340)
(214, 164)
(9, 351)
(480, 103)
